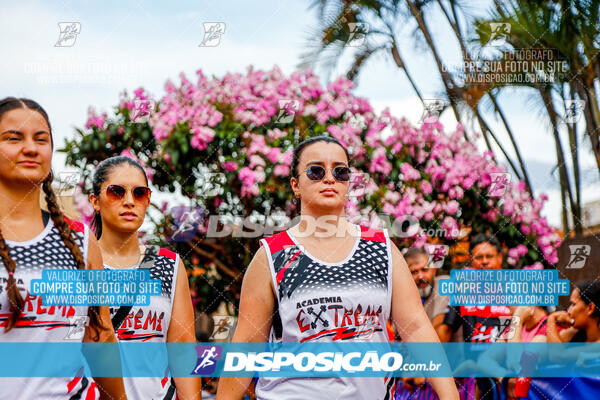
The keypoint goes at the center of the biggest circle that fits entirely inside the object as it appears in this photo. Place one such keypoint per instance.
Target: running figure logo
(499, 32)
(507, 326)
(212, 34)
(500, 181)
(579, 254)
(437, 253)
(68, 181)
(77, 327)
(573, 110)
(223, 327)
(68, 33)
(432, 109)
(187, 219)
(142, 110)
(287, 110)
(208, 356)
(358, 184)
(357, 33)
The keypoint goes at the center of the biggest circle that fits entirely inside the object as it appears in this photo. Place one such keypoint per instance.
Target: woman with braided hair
(31, 240)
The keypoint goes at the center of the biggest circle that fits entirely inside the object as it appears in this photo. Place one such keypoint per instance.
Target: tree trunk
(591, 123)
(485, 128)
(565, 186)
(514, 143)
(572, 128)
(452, 90)
(402, 65)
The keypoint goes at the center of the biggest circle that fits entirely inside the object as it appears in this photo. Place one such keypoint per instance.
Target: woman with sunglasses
(120, 198)
(327, 287)
(32, 240)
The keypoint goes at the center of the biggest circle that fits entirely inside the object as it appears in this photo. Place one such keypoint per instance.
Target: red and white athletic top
(347, 301)
(39, 323)
(150, 324)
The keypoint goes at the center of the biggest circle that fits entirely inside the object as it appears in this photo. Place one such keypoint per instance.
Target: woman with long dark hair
(32, 239)
(120, 198)
(581, 321)
(327, 287)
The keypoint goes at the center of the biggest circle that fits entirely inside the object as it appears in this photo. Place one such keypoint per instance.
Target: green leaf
(533, 255)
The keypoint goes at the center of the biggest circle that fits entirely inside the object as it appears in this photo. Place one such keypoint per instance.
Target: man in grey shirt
(423, 273)
(427, 283)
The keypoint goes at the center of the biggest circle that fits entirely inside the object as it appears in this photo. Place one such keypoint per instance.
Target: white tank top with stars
(39, 323)
(150, 324)
(318, 301)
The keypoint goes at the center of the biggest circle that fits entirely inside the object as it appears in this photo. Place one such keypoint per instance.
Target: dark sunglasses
(316, 173)
(117, 192)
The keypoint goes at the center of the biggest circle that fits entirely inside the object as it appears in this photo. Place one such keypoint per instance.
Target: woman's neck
(21, 210)
(318, 225)
(116, 247)
(19, 203)
(592, 331)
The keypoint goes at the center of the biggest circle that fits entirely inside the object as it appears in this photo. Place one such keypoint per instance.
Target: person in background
(580, 322)
(427, 283)
(528, 325)
(424, 275)
(482, 323)
(478, 324)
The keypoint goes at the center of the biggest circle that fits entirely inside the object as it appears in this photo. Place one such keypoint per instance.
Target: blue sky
(127, 44)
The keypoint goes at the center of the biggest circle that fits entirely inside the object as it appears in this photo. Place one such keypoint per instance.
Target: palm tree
(329, 44)
(569, 30)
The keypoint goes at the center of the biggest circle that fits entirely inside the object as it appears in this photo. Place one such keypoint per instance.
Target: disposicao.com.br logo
(352, 362)
(316, 360)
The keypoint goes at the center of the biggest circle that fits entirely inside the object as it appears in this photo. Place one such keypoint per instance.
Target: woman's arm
(411, 320)
(444, 332)
(517, 321)
(181, 329)
(111, 388)
(560, 355)
(255, 318)
(552, 333)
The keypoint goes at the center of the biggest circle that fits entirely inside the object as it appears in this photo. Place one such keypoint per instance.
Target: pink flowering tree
(225, 146)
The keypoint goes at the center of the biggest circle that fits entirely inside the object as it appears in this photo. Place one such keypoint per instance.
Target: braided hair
(14, 296)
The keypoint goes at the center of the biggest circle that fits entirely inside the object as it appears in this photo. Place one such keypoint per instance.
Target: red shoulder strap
(278, 241)
(372, 234)
(167, 253)
(75, 225)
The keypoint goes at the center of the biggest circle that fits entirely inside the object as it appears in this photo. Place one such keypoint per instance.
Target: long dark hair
(101, 175)
(14, 296)
(590, 293)
(302, 145)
